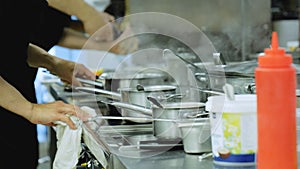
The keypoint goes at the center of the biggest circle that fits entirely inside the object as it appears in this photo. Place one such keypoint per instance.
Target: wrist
(28, 111)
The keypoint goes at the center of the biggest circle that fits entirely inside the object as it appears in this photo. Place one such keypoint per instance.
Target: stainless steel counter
(109, 144)
(122, 155)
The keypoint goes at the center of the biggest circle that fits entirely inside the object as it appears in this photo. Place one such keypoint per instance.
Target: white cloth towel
(68, 144)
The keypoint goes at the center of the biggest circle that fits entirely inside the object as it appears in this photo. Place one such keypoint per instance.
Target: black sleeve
(51, 28)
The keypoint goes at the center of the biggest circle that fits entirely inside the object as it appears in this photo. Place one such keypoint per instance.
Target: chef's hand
(68, 71)
(49, 113)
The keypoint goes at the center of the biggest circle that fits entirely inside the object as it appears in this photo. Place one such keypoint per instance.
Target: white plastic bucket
(233, 129)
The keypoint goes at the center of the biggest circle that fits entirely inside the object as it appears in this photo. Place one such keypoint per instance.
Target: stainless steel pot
(174, 111)
(171, 111)
(195, 135)
(134, 96)
(241, 75)
(112, 81)
(139, 97)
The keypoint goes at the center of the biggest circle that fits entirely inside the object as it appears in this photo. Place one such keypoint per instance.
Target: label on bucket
(234, 137)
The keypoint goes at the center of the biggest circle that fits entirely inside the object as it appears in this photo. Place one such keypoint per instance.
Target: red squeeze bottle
(275, 80)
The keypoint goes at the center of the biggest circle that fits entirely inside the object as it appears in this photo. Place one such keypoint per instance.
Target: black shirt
(23, 22)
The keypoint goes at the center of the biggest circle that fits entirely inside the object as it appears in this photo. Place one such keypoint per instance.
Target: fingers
(66, 112)
(83, 115)
(65, 119)
(76, 83)
(51, 113)
(75, 111)
(69, 122)
(84, 72)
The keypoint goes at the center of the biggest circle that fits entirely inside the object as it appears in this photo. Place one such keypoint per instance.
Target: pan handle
(90, 82)
(128, 106)
(105, 93)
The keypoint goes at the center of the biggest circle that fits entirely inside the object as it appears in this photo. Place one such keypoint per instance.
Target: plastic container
(233, 129)
(275, 79)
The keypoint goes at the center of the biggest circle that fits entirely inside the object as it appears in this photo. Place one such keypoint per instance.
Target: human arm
(66, 70)
(92, 19)
(12, 100)
(77, 40)
(93, 38)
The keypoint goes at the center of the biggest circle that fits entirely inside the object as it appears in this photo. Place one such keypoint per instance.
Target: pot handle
(90, 82)
(166, 97)
(173, 96)
(105, 93)
(250, 88)
(132, 107)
